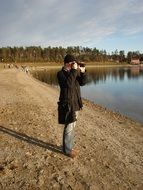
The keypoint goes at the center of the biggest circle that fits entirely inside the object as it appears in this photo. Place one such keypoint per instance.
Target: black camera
(81, 64)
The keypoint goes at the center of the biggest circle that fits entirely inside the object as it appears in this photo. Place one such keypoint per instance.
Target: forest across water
(35, 54)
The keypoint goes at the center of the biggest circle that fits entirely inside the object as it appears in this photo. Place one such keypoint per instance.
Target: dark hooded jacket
(70, 95)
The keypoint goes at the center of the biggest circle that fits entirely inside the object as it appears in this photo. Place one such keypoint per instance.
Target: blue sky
(104, 24)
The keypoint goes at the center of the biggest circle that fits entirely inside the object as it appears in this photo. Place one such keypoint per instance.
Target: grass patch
(1, 66)
(58, 65)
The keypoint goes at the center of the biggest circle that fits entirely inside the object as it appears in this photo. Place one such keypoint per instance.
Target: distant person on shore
(70, 78)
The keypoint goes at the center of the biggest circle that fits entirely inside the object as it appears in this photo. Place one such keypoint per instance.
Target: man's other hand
(82, 69)
(74, 66)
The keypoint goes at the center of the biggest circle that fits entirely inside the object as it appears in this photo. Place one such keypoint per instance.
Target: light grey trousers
(68, 136)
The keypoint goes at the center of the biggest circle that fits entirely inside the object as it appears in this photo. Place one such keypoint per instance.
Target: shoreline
(112, 111)
(88, 66)
(110, 145)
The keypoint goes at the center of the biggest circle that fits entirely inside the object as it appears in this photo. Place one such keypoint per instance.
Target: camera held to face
(80, 64)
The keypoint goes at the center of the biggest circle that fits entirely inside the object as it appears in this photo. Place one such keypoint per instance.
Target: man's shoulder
(60, 73)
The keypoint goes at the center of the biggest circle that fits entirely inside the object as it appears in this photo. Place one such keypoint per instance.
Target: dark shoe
(72, 154)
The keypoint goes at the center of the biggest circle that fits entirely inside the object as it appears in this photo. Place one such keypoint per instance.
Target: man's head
(69, 59)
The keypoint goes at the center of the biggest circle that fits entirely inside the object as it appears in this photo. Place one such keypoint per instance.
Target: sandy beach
(110, 145)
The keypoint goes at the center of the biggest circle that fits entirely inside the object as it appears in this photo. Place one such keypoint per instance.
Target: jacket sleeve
(69, 81)
(82, 79)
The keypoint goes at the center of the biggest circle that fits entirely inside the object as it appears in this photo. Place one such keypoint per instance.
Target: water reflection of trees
(101, 74)
(94, 75)
(49, 77)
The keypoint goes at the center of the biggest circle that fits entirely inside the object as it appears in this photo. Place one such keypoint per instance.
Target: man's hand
(74, 66)
(82, 69)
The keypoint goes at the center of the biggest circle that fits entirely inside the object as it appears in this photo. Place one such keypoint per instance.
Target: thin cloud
(65, 23)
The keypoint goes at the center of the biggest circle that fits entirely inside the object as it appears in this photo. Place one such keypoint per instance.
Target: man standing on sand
(70, 78)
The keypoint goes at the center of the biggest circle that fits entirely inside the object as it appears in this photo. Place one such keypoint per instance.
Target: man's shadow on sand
(31, 140)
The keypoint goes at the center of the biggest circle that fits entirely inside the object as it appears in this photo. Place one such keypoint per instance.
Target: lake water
(119, 89)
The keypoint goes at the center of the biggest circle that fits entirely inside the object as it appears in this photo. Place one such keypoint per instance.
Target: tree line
(56, 54)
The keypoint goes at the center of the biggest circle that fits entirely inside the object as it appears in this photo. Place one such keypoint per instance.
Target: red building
(135, 61)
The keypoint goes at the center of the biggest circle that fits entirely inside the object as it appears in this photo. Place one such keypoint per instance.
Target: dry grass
(1, 66)
(41, 65)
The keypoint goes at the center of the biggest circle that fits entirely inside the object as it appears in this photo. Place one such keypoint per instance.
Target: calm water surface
(119, 89)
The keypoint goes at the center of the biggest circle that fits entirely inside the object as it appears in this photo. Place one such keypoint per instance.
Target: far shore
(87, 66)
(50, 65)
